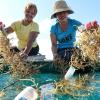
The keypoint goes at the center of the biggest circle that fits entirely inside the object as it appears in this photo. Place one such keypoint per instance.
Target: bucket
(29, 93)
(69, 73)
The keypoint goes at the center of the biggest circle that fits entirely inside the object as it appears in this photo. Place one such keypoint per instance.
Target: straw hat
(61, 6)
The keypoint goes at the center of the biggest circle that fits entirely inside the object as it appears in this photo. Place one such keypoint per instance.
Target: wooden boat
(48, 66)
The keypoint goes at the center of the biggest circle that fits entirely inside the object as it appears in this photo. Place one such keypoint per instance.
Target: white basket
(35, 58)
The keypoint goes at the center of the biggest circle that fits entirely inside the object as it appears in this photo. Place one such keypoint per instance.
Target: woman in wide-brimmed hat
(63, 33)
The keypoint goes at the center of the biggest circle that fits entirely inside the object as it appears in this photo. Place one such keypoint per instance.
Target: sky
(13, 10)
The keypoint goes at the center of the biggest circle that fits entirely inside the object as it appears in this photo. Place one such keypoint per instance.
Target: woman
(63, 33)
(27, 31)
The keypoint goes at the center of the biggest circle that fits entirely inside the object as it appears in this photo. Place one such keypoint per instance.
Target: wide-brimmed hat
(61, 6)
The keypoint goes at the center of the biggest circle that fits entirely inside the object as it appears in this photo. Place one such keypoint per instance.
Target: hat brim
(61, 10)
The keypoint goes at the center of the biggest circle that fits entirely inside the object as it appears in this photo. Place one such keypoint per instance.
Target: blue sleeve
(53, 30)
(77, 23)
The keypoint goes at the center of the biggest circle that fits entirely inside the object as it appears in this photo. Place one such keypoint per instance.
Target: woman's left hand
(23, 55)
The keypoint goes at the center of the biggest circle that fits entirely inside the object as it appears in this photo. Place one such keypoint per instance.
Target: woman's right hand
(1, 26)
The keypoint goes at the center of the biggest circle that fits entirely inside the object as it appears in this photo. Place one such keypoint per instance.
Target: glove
(1, 26)
(92, 25)
(95, 24)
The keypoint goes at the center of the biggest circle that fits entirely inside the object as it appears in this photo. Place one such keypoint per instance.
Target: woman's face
(62, 16)
(29, 14)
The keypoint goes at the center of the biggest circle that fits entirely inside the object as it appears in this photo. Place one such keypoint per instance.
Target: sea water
(44, 82)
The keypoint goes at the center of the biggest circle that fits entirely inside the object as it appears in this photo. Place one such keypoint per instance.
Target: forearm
(32, 39)
(54, 50)
(54, 45)
(28, 47)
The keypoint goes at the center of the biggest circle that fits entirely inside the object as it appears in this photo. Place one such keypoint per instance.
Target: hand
(55, 56)
(23, 55)
(88, 26)
(91, 25)
(1, 26)
(95, 24)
